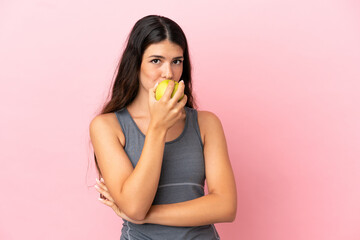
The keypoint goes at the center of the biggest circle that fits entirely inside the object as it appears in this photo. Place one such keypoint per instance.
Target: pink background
(282, 75)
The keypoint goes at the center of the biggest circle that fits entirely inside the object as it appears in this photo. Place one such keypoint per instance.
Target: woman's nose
(167, 72)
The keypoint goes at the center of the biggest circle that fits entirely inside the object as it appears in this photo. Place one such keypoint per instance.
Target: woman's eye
(178, 61)
(155, 61)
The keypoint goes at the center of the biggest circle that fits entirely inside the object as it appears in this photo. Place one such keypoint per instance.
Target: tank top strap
(124, 119)
(192, 114)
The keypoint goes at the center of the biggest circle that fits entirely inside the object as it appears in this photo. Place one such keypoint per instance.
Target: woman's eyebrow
(162, 57)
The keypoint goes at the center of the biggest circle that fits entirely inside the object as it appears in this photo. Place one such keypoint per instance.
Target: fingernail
(97, 180)
(96, 186)
(100, 199)
(181, 80)
(102, 179)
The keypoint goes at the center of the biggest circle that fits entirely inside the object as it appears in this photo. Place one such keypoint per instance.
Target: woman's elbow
(232, 215)
(229, 215)
(231, 211)
(135, 213)
(136, 216)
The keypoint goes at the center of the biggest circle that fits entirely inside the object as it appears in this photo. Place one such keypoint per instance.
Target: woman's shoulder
(207, 116)
(208, 121)
(104, 120)
(107, 122)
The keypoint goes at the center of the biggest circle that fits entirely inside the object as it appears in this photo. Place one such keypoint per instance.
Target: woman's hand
(167, 111)
(106, 199)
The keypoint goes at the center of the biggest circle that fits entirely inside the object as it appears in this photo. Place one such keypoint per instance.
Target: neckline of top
(169, 142)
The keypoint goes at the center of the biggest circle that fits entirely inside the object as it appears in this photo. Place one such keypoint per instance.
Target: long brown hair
(148, 30)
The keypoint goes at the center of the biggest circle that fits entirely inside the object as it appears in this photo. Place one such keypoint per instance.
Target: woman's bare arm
(134, 189)
(221, 203)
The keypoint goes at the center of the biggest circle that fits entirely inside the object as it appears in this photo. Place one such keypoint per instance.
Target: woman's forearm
(208, 209)
(143, 182)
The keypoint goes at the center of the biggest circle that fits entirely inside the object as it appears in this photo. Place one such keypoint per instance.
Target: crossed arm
(219, 205)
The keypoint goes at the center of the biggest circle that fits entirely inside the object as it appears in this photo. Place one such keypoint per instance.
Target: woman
(153, 155)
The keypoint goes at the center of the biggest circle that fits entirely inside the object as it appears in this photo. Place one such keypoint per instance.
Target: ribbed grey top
(182, 177)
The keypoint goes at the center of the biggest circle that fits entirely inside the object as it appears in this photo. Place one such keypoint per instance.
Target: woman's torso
(182, 175)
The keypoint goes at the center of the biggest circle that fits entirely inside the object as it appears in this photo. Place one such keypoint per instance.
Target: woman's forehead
(163, 48)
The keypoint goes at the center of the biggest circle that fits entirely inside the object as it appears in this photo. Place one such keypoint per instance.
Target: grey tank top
(182, 178)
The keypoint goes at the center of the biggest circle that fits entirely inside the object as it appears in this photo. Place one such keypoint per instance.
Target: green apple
(160, 89)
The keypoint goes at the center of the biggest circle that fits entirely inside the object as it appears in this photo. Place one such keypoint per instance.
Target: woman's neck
(139, 107)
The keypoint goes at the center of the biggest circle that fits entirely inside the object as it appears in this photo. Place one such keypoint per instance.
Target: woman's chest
(172, 133)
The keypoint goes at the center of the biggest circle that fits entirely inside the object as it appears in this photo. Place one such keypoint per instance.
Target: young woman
(153, 156)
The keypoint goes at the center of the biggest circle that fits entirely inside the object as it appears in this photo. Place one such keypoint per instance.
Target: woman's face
(162, 60)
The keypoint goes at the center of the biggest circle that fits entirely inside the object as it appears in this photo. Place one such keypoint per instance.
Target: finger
(106, 202)
(104, 188)
(182, 102)
(105, 195)
(179, 91)
(179, 108)
(101, 184)
(152, 92)
(169, 90)
(103, 192)
(155, 86)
